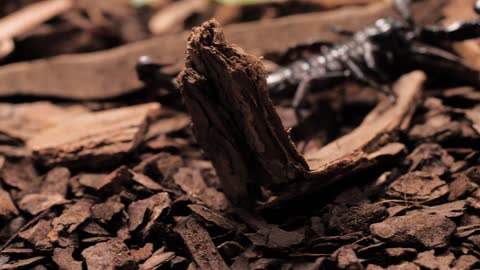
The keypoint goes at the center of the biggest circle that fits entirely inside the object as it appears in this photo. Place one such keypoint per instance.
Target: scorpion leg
(404, 8)
(442, 63)
(340, 30)
(454, 32)
(371, 59)
(359, 75)
(293, 51)
(150, 72)
(305, 86)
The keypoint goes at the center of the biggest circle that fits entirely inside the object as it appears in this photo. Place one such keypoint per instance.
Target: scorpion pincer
(375, 56)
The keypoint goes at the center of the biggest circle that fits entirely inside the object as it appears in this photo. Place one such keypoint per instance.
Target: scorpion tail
(404, 8)
(150, 72)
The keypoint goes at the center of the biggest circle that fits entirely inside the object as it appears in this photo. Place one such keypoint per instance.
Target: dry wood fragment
(200, 245)
(235, 123)
(38, 202)
(7, 207)
(192, 183)
(170, 18)
(21, 263)
(37, 235)
(24, 120)
(92, 138)
(159, 258)
(226, 94)
(147, 210)
(63, 258)
(28, 18)
(70, 219)
(109, 255)
(110, 73)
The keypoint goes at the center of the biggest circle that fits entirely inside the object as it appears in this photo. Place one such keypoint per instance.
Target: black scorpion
(374, 56)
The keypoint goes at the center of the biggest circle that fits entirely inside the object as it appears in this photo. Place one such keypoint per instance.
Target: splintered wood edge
(235, 123)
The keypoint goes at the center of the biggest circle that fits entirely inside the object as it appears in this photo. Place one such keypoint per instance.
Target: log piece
(89, 76)
(200, 245)
(235, 123)
(92, 138)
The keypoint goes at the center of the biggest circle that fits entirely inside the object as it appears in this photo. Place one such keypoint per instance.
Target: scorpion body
(379, 53)
(374, 56)
(360, 57)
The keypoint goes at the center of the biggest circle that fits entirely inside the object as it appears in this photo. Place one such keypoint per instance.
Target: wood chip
(148, 210)
(200, 245)
(158, 259)
(72, 217)
(92, 138)
(110, 255)
(213, 218)
(422, 230)
(461, 187)
(38, 202)
(466, 262)
(7, 208)
(104, 212)
(346, 258)
(37, 235)
(429, 260)
(23, 121)
(146, 181)
(431, 158)
(167, 123)
(56, 181)
(450, 210)
(345, 220)
(192, 182)
(21, 175)
(418, 186)
(63, 258)
(21, 263)
(113, 182)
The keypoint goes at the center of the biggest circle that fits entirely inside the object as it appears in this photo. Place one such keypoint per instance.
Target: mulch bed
(146, 180)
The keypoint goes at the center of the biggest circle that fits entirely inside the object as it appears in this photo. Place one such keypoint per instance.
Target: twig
(27, 18)
(173, 15)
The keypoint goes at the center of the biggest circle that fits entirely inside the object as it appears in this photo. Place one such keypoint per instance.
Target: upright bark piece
(234, 120)
(235, 123)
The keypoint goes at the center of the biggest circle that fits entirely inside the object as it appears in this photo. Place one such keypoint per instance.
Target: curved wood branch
(235, 123)
(111, 73)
